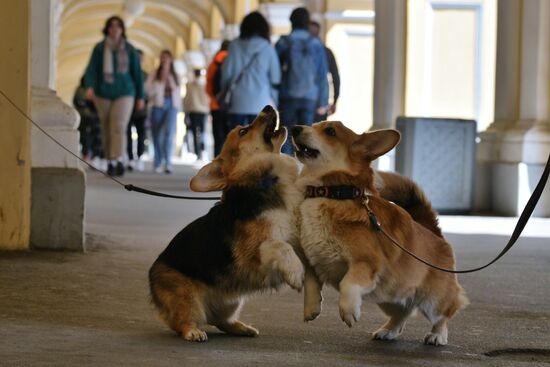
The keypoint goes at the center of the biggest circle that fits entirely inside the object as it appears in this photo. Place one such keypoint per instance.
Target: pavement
(92, 308)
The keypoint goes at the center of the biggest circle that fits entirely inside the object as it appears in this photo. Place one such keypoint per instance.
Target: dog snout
(296, 130)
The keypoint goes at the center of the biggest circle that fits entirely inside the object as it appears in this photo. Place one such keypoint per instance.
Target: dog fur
(346, 252)
(242, 246)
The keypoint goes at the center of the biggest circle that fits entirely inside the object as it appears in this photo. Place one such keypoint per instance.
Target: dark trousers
(195, 125)
(90, 137)
(139, 123)
(236, 119)
(220, 129)
(319, 118)
(295, 111)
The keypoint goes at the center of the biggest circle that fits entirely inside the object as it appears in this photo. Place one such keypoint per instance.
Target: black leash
(128, 187)
(522, 221)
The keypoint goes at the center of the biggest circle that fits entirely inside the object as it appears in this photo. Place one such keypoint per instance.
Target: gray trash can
(439, 155)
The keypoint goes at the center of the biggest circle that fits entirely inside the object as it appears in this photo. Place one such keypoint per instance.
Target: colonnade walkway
(80, 309)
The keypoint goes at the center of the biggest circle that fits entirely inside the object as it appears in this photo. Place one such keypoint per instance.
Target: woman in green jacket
(114, 82)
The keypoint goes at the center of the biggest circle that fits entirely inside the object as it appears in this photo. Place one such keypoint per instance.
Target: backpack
(298, 65)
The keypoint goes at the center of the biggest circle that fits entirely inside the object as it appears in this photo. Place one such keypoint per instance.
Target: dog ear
(374, 144)
(209, 178)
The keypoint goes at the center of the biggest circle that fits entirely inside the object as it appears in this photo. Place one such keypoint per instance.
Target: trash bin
(439, 155)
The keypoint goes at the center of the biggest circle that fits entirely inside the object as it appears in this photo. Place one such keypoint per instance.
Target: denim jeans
(236, 119)
(163, 126)
(295, 111)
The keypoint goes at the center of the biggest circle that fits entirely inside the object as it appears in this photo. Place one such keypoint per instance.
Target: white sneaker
(157, 169)
(130, 165)
(139, 166)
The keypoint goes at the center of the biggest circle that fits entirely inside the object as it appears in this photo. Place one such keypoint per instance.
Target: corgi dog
(344, 249)
(242, 245)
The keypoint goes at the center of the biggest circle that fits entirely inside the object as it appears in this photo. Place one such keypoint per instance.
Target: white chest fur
(322, 249)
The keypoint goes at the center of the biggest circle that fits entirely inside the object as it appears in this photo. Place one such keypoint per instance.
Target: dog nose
(296, 130)
(268, 109)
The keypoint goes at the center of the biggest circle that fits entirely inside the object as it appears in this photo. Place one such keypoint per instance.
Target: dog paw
(311, 311)
(293, 274)
(250, 331)
(195, 335)
(385, 334)
(435, 339)
(350, 312)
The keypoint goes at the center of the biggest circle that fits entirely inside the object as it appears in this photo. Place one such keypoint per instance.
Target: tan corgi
(242, 245)
(349, 254)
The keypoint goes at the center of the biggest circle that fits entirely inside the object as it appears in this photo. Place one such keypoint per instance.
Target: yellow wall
(15, 164)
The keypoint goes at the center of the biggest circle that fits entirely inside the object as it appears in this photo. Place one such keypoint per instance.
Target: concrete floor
(74, 309)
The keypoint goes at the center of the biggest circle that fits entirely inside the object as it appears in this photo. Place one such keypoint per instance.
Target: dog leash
(128, 187)
(522, 221)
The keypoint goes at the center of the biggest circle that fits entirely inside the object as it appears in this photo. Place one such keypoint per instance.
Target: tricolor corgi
(242, 245)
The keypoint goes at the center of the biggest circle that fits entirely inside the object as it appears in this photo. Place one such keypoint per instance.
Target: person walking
(114, 81)
(163, 91)
(251, 70)
(89, 127)
(137, 120)
(220, 127)
(304, 86)
(315, 30)
(196, 107)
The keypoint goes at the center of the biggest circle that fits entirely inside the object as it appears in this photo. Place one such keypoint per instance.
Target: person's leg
(119, 117)
(195, 130)
(139, 123)
(129, 142)
(95, 131)
(198, 122)
(103, 106)
(288, 118)
(218, 130)
(306, 112)
(157, 116)
(171, 118)
(84, 137)
(201, 128)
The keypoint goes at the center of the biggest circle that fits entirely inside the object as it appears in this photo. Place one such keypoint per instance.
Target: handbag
(225, 97)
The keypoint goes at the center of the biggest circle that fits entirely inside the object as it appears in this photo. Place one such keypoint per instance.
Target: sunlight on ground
(537, 227)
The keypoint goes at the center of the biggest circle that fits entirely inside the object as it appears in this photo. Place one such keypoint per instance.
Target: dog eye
(330, 131)
(242, 132)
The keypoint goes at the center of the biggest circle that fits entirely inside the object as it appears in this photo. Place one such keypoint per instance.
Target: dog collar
(340, 192)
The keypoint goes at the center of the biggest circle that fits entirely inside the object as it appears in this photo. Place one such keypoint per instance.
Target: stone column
(514, 149)
(58, 183)
(389, 68)
(15, 155)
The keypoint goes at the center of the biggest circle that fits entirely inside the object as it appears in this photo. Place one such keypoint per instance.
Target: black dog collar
(342, 192)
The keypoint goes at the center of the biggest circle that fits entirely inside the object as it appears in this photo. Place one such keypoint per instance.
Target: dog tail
(408, 195)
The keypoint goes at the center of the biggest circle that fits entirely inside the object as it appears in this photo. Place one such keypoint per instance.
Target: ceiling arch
(160, 25)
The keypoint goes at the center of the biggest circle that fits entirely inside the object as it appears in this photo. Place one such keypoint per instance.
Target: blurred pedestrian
(196, 107)
(315, 30)
(304, 85)
(89, 127)
(137, 120)
(163, 90)
(251, 69)
(220, 127)
(114, 82)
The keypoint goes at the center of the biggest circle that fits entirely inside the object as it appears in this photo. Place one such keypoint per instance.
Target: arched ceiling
(158, 27)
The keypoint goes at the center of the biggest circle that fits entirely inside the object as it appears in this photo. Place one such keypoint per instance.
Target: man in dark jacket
(304, 85)
(314, 29)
